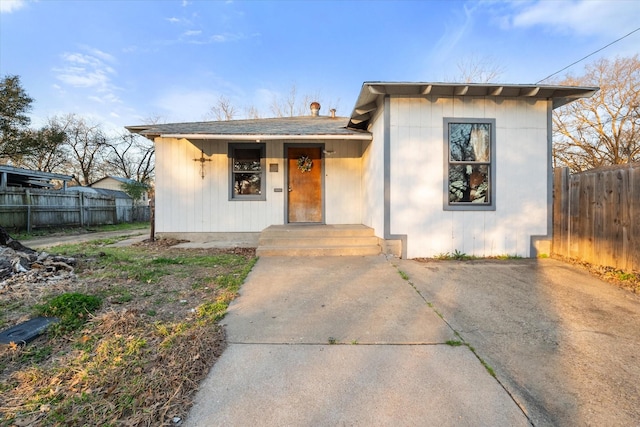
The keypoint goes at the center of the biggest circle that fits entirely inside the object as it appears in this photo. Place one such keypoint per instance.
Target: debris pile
(19, 263)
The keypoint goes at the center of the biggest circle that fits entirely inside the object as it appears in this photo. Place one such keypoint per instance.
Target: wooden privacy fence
(27, 208)
(596, 216)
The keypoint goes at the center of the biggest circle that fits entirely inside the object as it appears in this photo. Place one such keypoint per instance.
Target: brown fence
(27, 209)
(596, 216)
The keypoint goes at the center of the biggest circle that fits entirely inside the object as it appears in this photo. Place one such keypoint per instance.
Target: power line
(591, 54)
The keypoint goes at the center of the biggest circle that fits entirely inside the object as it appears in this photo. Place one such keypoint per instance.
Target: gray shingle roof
(303, 126)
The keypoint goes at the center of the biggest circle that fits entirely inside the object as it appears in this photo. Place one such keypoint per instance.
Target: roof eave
(269, 137)
(372, 92)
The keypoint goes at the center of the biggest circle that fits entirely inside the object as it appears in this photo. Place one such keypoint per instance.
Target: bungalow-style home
(116, 183)
(425, 168)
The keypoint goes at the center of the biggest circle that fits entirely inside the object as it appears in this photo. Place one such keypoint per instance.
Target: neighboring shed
(439, 167)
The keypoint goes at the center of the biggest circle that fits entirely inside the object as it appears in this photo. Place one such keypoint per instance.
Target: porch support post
(387, 179)
(542, 244)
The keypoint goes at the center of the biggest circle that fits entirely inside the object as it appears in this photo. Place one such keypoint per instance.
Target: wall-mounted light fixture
(328, 152)
(202, 159)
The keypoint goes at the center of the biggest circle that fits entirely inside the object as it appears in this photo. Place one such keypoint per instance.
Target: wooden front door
(305, 184)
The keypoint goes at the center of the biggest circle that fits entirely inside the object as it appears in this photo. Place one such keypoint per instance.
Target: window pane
(469, 142)
(246, 183)
(246, 159)
(469, 183)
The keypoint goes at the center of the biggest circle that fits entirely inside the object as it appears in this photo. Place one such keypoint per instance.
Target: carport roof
(20, 177)
(372, 94)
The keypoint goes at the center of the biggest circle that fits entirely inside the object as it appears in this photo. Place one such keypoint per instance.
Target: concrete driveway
(363, 341)
(564, 344)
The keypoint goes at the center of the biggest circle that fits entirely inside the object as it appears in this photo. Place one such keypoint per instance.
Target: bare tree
(604, 129)
(474, 69)
(223, 110)
(285, 107)
(293, 105)
(131, 156)
(252, 112)
(87, 145)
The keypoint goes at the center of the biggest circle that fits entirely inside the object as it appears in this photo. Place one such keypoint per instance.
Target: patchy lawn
(137, 359)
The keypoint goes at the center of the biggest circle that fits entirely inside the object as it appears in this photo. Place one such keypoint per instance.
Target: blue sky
(121, 62)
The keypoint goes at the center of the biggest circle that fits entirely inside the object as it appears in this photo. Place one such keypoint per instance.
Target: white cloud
(219, 38)
(192, 33)
(90, 70)
(455, 30)
(582, 17)
(8, 6)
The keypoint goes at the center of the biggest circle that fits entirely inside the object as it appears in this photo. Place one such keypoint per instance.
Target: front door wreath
(305, 164)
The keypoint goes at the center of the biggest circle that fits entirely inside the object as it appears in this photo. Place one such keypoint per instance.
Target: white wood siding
(373, 178)
(108, 183)
(186, 203)
(343, 184)
(417, 177)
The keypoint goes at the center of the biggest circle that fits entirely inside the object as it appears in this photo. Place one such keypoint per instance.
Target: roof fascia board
(373, 91)
(357, 137)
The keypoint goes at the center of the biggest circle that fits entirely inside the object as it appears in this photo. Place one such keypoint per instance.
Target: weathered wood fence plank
(25, 209)
(596, 216)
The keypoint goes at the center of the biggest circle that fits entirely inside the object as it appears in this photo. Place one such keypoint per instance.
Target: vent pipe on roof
(315, 108)
(333, 113)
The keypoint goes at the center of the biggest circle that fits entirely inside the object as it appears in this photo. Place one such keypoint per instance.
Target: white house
(435, 167)
(116, 183)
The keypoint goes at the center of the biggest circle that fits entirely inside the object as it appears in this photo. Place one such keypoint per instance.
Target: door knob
(290, 189)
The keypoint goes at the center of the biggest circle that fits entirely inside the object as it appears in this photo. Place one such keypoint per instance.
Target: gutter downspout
(387, 179)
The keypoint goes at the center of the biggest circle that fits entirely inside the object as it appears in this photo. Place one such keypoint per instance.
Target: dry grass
(139, 359)
(629, 280)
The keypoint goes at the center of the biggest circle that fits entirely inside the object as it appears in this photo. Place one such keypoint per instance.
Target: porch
(318, 240)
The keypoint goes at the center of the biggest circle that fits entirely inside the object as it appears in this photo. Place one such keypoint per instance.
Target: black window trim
(263, 184)
(469, 206)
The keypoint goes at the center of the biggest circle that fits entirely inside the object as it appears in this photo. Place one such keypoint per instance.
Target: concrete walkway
(389, 363)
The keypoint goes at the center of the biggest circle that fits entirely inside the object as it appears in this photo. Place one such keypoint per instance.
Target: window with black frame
(470, 163)
(247, 171)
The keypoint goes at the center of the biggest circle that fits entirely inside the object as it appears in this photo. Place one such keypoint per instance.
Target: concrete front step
(307, 241)
(318, 240)
(313, 230)
(318, 251)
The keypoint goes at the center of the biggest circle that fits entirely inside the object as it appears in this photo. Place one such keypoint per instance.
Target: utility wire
(591, 54)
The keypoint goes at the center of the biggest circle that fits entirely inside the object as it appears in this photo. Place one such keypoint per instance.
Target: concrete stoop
(318, 240)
